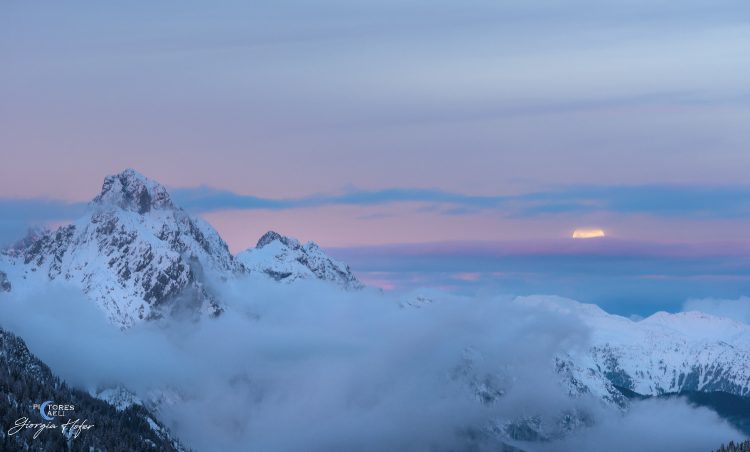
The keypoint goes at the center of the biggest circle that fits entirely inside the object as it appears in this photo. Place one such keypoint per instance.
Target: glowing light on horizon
(588, 233)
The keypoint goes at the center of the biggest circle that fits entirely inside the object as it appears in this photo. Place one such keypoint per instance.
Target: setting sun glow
(588, 233)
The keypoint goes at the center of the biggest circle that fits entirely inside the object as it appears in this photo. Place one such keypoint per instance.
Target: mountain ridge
(285, 259)
(140, 257)
(663, 353)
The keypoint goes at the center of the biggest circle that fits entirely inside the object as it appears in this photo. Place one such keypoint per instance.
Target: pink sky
(344, 226)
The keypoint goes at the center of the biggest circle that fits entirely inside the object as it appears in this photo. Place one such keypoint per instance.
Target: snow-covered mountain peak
(131, 190)
(135, 253)
(563, 306)
(697, 324)
(285, 259)
(273, 236)
(140, 257)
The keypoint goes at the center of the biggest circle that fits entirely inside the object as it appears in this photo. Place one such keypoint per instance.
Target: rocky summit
(135, 253)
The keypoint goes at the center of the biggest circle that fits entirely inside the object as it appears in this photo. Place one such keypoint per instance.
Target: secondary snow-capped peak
(272, 236)
(286, 259)
(131, 190)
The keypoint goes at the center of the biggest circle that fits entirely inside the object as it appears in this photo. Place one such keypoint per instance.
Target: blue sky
(622, 277)
(359, 124)
(291, 98)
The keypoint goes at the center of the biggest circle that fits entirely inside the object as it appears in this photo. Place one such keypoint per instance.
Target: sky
(364, 125)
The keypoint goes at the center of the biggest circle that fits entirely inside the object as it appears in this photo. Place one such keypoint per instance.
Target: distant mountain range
(703, 358)
(662, 354)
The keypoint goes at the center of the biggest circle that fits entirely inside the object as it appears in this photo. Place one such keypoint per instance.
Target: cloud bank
(309, 367)
(737, 309)
(702, 201)
(650, 425)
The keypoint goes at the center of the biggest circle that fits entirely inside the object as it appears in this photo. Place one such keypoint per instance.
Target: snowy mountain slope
(664, 353)
(134, 253)
(677, 352)
(117, 396)
(285, 259)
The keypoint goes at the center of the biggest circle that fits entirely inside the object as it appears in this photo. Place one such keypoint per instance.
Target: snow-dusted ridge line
(663, 353)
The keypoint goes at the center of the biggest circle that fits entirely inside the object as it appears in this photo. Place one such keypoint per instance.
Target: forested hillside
(25, 381)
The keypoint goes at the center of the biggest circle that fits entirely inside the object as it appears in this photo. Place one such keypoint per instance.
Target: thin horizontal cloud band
(658, 200)
(666, 200)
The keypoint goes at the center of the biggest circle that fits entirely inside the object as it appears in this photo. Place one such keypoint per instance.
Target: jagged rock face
(492, 387)
(135, 253)
(580, 381)
(271, 236)
(4, 283)
(131, 191)
(285, 259)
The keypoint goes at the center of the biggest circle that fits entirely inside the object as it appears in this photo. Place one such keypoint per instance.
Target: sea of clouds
(311, 367)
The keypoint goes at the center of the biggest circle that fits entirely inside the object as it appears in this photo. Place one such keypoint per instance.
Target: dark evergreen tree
(735, 447)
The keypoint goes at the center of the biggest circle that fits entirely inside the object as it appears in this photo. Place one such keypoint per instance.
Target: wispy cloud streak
(660, 200)
(39, 209)
(695, 201)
